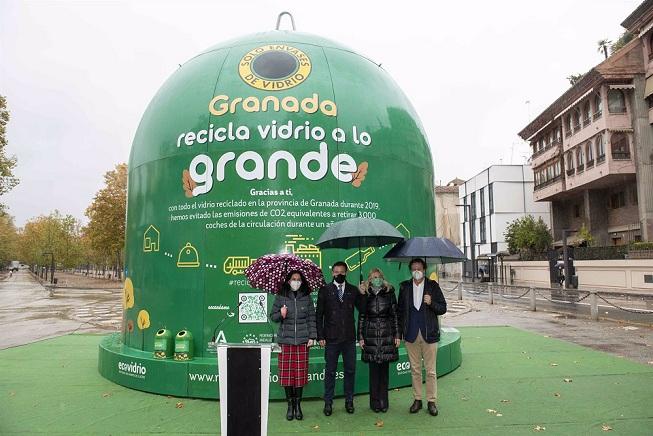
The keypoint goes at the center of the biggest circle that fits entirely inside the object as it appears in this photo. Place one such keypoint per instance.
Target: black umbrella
(359, 232)
(430, 248)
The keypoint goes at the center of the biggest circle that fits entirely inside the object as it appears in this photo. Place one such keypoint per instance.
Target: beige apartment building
(592, 148)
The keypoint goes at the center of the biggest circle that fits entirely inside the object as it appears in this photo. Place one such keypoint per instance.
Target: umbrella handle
(360, 260)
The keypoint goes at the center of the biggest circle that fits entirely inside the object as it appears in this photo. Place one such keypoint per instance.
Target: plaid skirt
(293, 365)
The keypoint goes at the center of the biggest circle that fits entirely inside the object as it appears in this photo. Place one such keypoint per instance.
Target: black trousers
(331, 354)
(379, 384)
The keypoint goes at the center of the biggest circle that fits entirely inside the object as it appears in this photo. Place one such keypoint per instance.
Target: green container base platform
(198, 378)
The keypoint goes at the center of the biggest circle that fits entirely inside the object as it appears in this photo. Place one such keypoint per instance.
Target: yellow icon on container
(188, 257)
(352, 260)
(236, 265)
(297, 245)
(151, 239)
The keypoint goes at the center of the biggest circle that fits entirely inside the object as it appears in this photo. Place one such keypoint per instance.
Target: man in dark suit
(420, 302)
(336, 332)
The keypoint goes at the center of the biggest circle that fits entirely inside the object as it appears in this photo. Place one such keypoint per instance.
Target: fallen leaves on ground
(553, 364)
(464, 398)
(316, 427)
(106, 394)
(179, 405)
(12, 393)
(568, 380)
(505, 401)
(606, 427)
(539, 428)
(379, 423)
(492, 411)
(556, 394)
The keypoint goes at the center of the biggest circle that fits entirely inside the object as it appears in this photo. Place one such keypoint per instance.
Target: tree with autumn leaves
(8, 231)
(105, 233)
(7, 163)
(55, 233)
(98, 246)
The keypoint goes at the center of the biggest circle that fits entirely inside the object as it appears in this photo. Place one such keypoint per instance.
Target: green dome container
(256, 146)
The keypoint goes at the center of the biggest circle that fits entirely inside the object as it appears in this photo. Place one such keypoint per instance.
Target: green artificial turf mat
(511, 382)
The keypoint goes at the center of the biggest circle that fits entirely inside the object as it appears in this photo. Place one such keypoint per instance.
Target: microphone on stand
(223, 320)
(275, 346)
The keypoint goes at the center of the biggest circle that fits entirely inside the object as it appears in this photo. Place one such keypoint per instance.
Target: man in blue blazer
(419, 304)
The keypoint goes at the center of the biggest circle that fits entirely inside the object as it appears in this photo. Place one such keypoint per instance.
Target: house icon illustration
(151, 239)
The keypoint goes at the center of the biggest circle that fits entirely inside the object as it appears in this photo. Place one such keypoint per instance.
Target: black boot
(298, 404)
(291, 402)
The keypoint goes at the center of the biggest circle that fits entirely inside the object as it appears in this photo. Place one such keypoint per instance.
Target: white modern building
(491, 200)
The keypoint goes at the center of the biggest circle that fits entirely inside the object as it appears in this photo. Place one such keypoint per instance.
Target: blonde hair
(367, 283)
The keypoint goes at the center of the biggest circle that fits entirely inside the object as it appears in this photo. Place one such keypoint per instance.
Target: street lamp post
(472, 238)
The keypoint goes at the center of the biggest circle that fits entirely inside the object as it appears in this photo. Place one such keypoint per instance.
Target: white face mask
(417, 275)
(295, 284)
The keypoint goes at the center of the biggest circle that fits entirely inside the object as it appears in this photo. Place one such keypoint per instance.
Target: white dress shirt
(418, 294)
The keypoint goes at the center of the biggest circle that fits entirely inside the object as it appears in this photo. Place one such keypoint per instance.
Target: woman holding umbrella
(293, 308)
(378, 334)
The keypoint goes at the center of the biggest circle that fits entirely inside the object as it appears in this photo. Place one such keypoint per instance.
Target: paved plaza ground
(522, 373)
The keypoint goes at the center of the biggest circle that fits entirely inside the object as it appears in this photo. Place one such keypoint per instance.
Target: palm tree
(603, 46)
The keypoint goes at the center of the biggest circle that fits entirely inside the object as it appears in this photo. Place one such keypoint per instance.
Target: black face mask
(339, 278)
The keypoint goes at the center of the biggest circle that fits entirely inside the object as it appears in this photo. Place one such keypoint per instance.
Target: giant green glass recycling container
(256, 146)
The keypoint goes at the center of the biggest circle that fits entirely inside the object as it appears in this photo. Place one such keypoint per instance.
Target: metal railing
(559, 299)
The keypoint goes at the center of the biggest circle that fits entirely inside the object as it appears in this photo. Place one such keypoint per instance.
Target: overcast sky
(78, 74)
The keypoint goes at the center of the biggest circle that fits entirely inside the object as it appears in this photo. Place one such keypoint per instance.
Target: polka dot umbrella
(269, 272)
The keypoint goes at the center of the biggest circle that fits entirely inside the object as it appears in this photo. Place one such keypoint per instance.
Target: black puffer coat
(378, 326)
(299, 324)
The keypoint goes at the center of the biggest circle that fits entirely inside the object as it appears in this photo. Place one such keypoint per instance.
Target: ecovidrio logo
(132, 369)
(274, 67)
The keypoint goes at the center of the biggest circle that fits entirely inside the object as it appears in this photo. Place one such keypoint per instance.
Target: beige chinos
(418, 351)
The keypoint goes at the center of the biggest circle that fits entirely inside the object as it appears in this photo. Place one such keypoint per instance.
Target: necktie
(341, 293)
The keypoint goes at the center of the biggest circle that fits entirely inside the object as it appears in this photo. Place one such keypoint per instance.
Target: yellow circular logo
(274, 67)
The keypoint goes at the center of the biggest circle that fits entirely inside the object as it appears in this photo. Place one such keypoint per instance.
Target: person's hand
(427, 299)
(322, 342)
(361, 343)
(284, 311)
(397, 343)
(311, 342)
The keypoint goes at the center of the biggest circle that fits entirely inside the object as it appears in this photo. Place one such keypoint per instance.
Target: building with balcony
(593, 146)
(447, 222)
(490, 201)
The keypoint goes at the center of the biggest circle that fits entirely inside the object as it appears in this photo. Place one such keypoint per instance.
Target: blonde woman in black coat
(378, 335)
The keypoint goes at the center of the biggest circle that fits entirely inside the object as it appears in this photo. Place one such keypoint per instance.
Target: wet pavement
(29, 312)
(634, 342)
